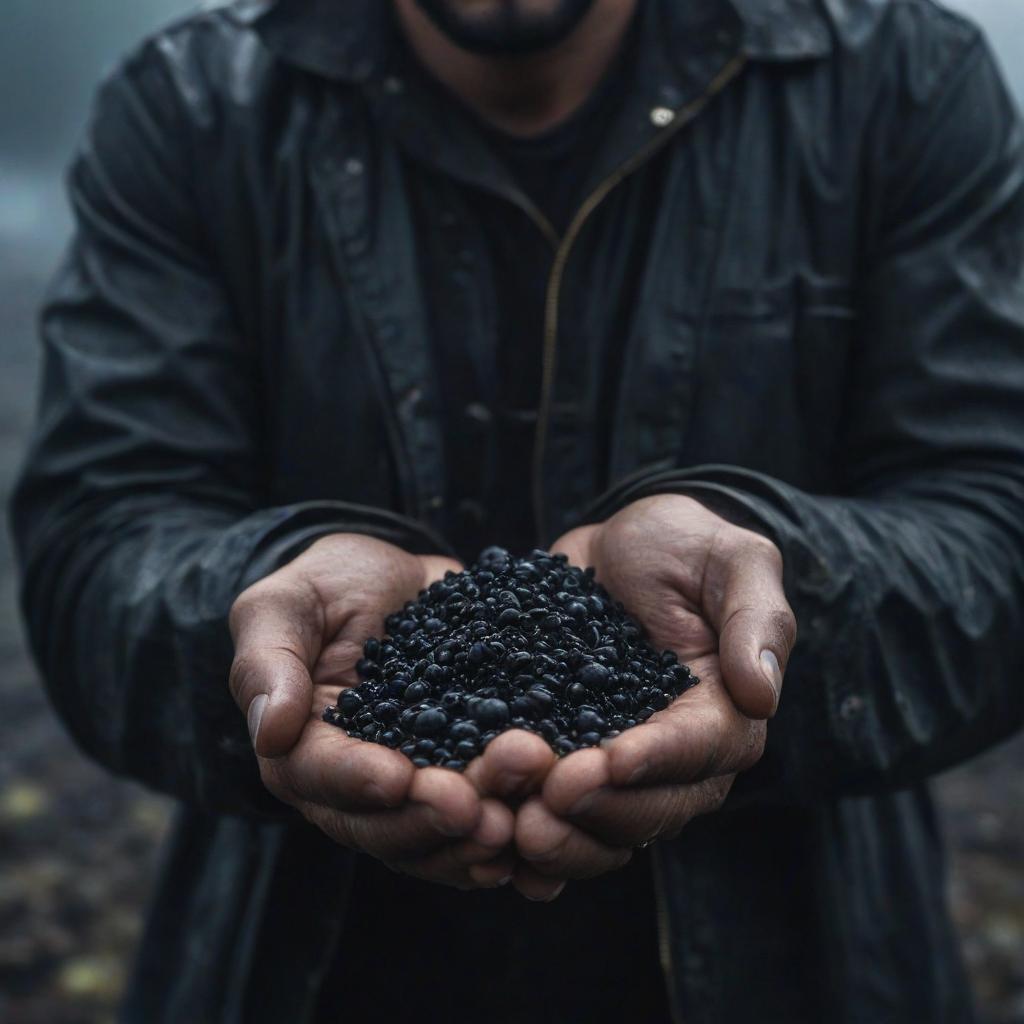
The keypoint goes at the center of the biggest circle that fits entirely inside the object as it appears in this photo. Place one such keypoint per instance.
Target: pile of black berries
(529, 643)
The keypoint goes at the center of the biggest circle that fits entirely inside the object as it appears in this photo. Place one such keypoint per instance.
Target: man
(724, 298)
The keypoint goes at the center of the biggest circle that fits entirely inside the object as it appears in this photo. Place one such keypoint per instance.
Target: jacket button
(661, 117)
(851, 707)
(354, 166)
(478, 413)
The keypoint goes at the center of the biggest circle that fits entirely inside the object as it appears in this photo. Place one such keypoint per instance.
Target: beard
(507, 30)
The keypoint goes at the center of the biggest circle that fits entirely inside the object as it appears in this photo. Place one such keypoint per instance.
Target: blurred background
(78, 849)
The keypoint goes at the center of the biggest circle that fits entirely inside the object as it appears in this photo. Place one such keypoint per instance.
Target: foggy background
(78, 850)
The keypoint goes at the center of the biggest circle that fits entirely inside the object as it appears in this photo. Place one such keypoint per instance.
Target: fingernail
(638, 773)
(511, 782)
(772, 672)
(437, 822)
(584, 804)
(549, 898)
(255, 715)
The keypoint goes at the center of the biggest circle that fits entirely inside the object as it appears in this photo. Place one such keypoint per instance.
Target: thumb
(277, 633)
(755, 625)
(576, 545)
(435, 566)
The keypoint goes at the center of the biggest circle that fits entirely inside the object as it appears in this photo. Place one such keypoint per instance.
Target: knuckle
(753, 748)
(764, 549)
(240, 676)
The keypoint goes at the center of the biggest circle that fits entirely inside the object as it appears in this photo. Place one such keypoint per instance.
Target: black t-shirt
(490, 398)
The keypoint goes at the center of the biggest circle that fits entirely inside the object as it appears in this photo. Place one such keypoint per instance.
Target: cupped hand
(712, 592)
(298, 634)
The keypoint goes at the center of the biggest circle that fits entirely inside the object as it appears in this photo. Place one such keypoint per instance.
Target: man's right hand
(298, 634)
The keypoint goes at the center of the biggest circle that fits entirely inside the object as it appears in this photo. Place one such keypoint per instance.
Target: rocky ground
(78, 849)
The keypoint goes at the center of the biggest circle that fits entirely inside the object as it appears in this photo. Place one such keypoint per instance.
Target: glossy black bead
(489, 713)
(466, 750)
(577, 694)
(542, 698)
(577, 610)
(386, 711)
(434, 674)
(452, 700)
(464, 731)
(594, 676)
(590, 721)
(522, 708)
(430, 722)
(350, 701)
(414, 692)
(367, 668)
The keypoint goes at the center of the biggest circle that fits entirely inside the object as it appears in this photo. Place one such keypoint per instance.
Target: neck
(523, 95)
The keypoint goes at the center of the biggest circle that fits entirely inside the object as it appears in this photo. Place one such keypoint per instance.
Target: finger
(576, 777)
(745, 602)
(700, 735)
(331, 769)
(495, 873)
(484, 860)
(536, 887)
(442, 868)
(442, 807)
(513, 766)
(492, 836)
(555, 847)
(635, 815)
(277, 633)
(454, 806)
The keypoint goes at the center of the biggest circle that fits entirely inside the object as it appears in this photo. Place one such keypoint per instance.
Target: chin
(506, 27)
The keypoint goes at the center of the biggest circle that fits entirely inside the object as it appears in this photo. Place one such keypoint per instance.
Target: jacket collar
(348, 39)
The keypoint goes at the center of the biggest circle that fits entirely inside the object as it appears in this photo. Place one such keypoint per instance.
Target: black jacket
(826, 342)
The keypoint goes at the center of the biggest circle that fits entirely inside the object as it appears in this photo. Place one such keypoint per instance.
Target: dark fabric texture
(809, 281)
(496, 950)
(494, 956)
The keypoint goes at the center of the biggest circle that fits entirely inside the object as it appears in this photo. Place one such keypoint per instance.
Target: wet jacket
(826, 343)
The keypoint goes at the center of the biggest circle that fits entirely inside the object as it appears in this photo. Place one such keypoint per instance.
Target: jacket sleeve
(908, 585)
(140, 513)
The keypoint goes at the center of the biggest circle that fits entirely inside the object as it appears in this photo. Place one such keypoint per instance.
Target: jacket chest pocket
(772, 378)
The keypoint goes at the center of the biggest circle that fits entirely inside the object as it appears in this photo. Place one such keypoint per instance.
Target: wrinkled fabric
(825, 343)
